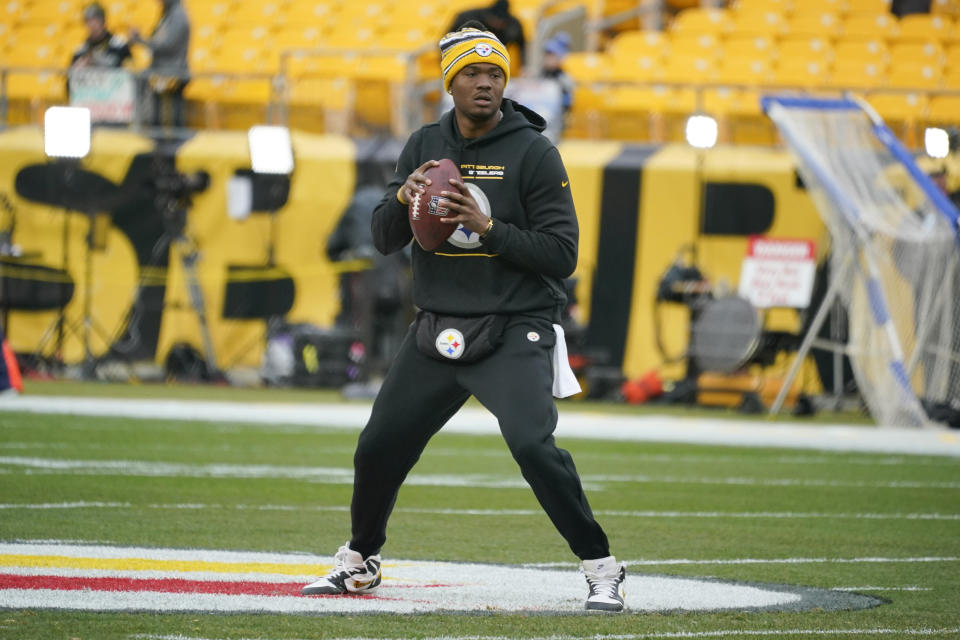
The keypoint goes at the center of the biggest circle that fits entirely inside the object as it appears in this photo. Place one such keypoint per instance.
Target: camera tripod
(176, 241)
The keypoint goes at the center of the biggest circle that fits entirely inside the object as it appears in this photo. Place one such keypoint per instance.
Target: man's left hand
(465, 209)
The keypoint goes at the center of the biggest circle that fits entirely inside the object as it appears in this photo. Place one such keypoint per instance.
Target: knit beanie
(470, 46)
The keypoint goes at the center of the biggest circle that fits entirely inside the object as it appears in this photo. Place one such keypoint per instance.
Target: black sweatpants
(420, 394)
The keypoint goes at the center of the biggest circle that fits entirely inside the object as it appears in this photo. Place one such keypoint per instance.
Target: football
(427, 209)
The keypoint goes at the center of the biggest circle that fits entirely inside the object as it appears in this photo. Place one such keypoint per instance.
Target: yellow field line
(146, 564)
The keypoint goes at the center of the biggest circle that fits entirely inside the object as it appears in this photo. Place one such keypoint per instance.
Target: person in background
(101, 49)
(167, 74)
(503, 24)
(554, 52)
(902, 8)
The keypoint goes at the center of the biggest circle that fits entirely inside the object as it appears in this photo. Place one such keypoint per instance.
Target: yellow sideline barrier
(637, 207)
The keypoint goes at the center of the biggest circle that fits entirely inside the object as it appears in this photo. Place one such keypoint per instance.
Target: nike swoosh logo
(564, 183)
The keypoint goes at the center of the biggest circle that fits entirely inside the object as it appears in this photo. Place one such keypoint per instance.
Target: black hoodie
(518, 267)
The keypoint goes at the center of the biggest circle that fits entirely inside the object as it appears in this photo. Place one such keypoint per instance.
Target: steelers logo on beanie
(470, 46)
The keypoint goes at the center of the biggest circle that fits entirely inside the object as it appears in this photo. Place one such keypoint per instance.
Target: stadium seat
(239, 35)
(360, 38)
(748, 47)
(870, 25)
(239, 59)
(918, 53)
(856, 74)
(868, 6)
(899, 106)
(310, 12)
(688, 69)
(688, 45)
(806, 49)
(761, 23)
(924, 27)
(640, 43)
(406, 39)
(29, 49)
(634, 68)
(952, 57)
(799, 73)
(268, 14)
(909, 75)
(38, 87)
(836, 7)
(205, 36)
(697, 21)
(14, 11)
(755, 6)
(56, 12)
(303, 36)
(943, 110)
(945, 7)
(588, 67)
(209, 13)
(872, 50)
(813, 24)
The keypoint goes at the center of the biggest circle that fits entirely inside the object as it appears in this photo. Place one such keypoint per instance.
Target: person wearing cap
(101, 49)
(554, 52)
(490, 300)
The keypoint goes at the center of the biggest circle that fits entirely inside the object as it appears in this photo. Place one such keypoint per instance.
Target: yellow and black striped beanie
(470, 46)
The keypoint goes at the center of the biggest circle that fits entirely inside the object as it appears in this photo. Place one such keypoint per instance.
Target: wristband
(483, 234)
(400, 197)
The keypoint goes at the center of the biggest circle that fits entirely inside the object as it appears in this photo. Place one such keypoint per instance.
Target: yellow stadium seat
(238, 59)
(868, 6)
(56, 12)
(748, 47)
(406, 39)
(327, 92)
(269, 14)
(952, 57)
(247, 35)
(814, 24)
(920, 53)
(943, 110)
(363, 14)
(914, 76)
(37, 86)
(870, 25)
(689, 69)
(311, 11)
(36, 54)
(143, 15)
(14, 12)
(762, 23)
(29, 37)
(856, 74)
(205, 36)
(628, 67)
(799, 74)
(588, 67)
(696, 20)
(899, 106)
(704, 44)
(836, 7)
(806, 49)
(360, 38)
(210, 13)
(298, 37)
(744, 71)
(201, 59)
(640, 43)
(861, 50)
(945, 7)
(754, 6)
(924, 27)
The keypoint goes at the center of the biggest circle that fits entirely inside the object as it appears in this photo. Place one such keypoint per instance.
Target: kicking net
(894, 261)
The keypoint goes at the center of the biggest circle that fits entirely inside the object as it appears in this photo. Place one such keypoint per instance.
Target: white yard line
(759, 515)
(871, 588)
(344, 475)
(573, 424)
(648, 562)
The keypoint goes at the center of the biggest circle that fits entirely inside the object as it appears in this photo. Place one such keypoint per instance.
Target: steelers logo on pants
(450, 343)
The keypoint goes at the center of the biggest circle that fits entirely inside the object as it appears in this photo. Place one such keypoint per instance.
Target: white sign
(108, 93)
(778, 273)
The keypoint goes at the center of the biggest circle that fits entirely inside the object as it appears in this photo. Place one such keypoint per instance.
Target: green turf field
(883, 525)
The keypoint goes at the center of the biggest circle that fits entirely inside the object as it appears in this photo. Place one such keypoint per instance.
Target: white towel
(564, 382)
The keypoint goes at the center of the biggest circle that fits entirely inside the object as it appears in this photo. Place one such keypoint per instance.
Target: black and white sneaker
(352, 573)
(605, 577)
